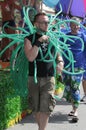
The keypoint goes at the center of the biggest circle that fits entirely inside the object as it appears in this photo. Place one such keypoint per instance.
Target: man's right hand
(44, 38)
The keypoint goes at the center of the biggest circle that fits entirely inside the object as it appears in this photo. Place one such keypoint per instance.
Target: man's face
(74, 27)
(42, 23)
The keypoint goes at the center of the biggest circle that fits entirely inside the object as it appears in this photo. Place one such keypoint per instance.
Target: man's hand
(44, 38)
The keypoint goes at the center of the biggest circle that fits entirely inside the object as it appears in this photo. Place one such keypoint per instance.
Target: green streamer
(19, 63)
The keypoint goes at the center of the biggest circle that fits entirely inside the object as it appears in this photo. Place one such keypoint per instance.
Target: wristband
(37, 43)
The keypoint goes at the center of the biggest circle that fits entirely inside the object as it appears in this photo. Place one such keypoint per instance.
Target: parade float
(13, 106)
(14, 75)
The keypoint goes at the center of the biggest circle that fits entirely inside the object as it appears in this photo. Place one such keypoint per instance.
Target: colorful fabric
(50, 3)
(76, 49)
(69, 7)
(72, 88)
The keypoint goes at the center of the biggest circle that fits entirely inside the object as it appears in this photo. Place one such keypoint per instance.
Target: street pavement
(58, 120)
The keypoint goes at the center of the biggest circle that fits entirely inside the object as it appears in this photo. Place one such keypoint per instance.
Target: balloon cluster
(19, 63)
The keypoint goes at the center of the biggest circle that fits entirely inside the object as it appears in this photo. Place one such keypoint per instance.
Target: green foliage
(11, 104)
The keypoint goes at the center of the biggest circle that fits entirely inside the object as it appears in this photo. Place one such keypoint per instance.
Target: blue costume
(84, 75)
(76, 49)
(72, 82)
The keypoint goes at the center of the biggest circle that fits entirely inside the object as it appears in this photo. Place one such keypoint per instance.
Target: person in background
(72, 81)
(41, 94)
(83, 99)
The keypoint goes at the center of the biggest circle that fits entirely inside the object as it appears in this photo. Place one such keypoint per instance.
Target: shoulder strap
(33, 39)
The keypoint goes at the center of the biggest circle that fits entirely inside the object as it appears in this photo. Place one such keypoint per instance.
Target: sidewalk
(58, 120)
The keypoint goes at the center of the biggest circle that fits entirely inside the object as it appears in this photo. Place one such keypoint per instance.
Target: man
(72, 82)
(41, 94)
(83, 99)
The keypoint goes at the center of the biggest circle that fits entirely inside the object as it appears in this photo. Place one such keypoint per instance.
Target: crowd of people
(41, 94)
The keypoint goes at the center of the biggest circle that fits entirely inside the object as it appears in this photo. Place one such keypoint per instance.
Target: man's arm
(30, 51)
(60, 64)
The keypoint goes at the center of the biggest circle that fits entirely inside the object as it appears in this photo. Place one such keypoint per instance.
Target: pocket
(52, 103)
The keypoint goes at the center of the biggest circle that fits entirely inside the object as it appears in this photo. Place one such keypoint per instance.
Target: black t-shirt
(44, 68)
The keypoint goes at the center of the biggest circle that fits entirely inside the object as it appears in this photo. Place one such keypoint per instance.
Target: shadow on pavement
(62, 102)
(54, 118)
(58, 117)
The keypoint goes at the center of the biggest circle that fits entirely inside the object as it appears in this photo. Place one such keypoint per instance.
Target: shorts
(72, 88)
(41, 94)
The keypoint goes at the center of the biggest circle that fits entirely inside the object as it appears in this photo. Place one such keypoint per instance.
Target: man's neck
(40, 32)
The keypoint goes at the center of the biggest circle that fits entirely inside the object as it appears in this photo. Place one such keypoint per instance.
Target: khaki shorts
(41, 94)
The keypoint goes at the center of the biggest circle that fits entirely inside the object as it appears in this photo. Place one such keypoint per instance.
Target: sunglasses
(44, 22)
